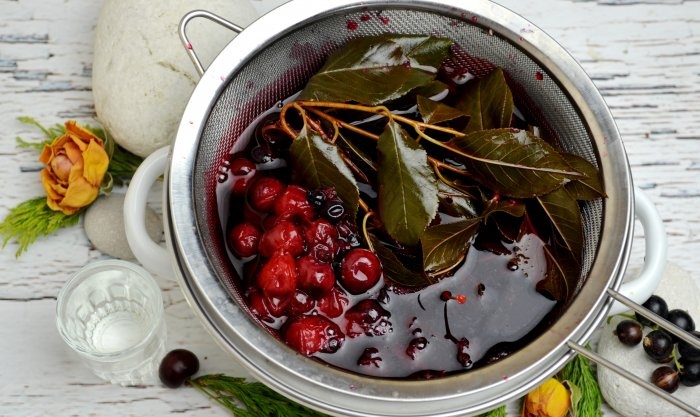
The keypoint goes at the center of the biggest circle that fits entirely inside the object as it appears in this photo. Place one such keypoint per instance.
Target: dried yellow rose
(551, 399)
(75, 164)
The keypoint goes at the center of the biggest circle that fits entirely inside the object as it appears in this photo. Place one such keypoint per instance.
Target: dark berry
(360, 270)
(367, 317)
(316, 198)
(690, 373)
(316, 278)
(311, 334)
(681, 318)
(278, 276)
(322, 240)
(658, 345)
(333, 303)
(333, 209)
(347, 233)
(177, 366)
(369, 357)
(462, 353)
(688, 351)
(293, 204)
(629, 332)
(244, 239)
(445, 295)
(242, 172)
(665, 378)
(284, 237)
(656, 305)
(415, 345)
(263, 192)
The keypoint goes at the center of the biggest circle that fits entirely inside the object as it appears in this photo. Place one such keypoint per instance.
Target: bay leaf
(488, 101)
(589, 187)
(434, 112)
(445, 245)
(564, 215)
(407, 189)
(394, 270)
(318, 164)
(376, 69)
(512, 162)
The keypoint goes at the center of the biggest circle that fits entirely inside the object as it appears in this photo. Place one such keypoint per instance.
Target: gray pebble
(104, 226)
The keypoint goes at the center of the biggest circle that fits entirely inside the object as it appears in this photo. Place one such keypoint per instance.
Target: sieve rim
(327, 389)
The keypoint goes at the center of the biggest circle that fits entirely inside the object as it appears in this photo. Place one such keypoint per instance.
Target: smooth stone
(142, 76)
(680, 291)
(104, 226)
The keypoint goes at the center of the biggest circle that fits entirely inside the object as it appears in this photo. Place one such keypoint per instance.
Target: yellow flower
(551, 399)
(75, 164)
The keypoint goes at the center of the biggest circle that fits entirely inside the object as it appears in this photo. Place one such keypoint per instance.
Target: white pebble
(104, 226)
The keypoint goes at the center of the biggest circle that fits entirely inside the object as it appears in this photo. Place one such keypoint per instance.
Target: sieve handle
(185, 40)
(154, 257)
(642, 287)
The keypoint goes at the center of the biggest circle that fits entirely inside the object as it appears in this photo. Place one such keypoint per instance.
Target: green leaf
(488, 101)
(580, 372)
(564, 215)
(407, 186)
(589, 187)
(562, 276)
(445, 245)
(496, 412)
(318, 164)
(434, 112)
(513, 208)
(374, 70)
(32, 219)
(513, 162)
(359, 157)
(459, 202)
(396, 271)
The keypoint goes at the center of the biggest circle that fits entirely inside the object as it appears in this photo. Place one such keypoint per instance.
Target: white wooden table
(643, 55)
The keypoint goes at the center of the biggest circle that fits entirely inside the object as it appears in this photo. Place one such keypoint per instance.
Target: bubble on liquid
(221, 178)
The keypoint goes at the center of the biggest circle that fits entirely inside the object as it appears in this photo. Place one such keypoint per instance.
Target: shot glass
(111, 314)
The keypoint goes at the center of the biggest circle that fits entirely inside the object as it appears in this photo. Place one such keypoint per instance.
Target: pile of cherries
(302, 260)
(680, 360)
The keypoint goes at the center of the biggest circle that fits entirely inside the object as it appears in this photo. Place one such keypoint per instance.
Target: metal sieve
(271, 60)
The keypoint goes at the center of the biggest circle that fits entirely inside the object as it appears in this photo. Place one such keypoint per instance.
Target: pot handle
(641, 288)
(154, 257)
(185, 40)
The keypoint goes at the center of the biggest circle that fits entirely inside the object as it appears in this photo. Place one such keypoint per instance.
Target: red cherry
(244, 239)
(278, 306)
(293, 203)
(311, 334)
(300, 303)
(322, 239)
(333, 303)
(315, 277)
(278, 276)
(367, 317)
(360, 270)
(256, 304)
(263, 192)
(242, 171)
(285, 237)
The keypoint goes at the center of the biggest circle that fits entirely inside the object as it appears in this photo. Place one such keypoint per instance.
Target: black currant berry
(658, 345)
(688, 351)
(177, 366)
(681, 319)
(665, 378)
(690, 374)
(656, 305)
(629, 332)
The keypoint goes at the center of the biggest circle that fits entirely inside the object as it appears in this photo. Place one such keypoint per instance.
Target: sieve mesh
(284, 65)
